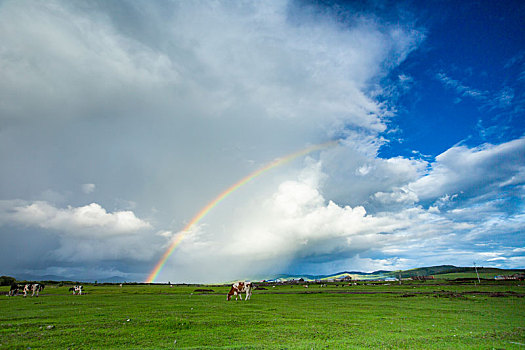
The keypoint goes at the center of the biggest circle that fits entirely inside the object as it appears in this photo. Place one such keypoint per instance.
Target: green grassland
(380, 315)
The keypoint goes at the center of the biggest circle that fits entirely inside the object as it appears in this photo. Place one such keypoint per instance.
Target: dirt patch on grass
(497, 294)
(447, 294)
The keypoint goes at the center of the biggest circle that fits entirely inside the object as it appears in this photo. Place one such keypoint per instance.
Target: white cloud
(501, 258)
(85, 45)
(356, 174)
(398, 195)
(501, 99)
(504, 97)
(167, 106)
(90, 220)
(95, 250)
(77, 235)
(88, 188)
(472, 172)
(298, 223)
(117, 101)
(461, 89)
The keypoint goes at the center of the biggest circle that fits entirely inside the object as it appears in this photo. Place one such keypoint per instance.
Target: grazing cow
(15, 289)
(34, 288)
(240, 287)
(77, 290)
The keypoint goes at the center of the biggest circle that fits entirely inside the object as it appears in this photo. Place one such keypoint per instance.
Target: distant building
(344, 279)
(516, 276)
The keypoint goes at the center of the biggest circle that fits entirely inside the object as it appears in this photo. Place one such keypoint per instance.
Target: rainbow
(204, 211)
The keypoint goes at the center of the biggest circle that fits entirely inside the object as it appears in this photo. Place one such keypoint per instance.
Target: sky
(403, 123)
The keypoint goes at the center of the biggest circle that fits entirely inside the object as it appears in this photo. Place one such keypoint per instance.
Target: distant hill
(113, 279)
(29, 277)
(448, 270)
(353, 274)
(429, 271)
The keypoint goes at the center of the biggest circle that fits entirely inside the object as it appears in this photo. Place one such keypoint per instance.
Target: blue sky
(466, 74)
(120, 121)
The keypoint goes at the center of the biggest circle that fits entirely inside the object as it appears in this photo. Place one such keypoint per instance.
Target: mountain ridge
(420, 271)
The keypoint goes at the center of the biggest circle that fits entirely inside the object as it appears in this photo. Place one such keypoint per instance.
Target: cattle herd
(34, 288)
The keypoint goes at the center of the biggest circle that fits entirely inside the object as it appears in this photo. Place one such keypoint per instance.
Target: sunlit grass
(410, 316)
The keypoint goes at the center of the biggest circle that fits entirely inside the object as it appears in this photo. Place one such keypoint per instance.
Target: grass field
(414, 315)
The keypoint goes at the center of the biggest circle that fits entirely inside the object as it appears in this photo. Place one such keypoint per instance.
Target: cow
(240, 287)
(236, 289)
(34, 288)
(77, 290)
(15, 289)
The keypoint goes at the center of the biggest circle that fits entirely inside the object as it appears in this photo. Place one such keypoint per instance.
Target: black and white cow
(15, 289)
(77, 290)
(34, 288)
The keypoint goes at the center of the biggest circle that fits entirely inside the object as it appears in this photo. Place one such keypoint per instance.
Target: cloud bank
(121, 121)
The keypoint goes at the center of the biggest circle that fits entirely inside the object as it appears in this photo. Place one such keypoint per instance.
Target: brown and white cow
(33, 287)
(241, 287)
